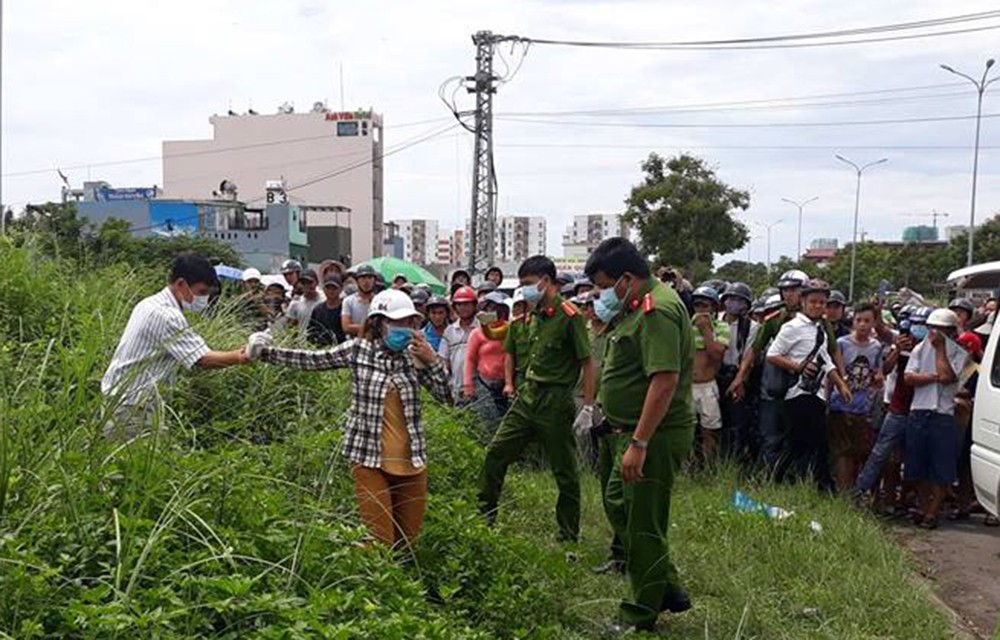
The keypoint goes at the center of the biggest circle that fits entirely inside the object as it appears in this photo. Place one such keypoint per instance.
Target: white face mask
(198, 303)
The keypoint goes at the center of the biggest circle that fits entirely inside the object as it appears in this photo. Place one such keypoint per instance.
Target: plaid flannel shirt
(373, 368)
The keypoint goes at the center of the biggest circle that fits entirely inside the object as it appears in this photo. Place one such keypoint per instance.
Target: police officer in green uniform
(645, 392)
(543, 409)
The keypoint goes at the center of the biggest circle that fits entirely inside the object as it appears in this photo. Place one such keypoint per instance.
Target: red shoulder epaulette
(569, 308)
(647, 303)
(774, 314)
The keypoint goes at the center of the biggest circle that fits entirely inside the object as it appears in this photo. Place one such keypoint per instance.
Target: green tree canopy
(753, 274)
(684, 214)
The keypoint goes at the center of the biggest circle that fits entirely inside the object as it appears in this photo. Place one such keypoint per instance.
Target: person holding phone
(384, 436)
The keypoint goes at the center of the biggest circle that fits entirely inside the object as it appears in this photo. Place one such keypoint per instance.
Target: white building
(588, 231)
(420, 240)
(516, 238)
(324, 158)
(444, 254)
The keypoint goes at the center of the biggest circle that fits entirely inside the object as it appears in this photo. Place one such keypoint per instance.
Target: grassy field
(241, 522)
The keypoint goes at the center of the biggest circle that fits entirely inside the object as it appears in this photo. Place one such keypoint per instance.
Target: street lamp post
(768, 227)
(801, 206)
(980, 85)
(857, 207)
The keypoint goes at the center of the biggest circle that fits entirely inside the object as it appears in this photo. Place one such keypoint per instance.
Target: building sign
(107, 194)
(349, 115)
(347, 128)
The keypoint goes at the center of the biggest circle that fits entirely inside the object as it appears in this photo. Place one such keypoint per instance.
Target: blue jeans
(892, 434)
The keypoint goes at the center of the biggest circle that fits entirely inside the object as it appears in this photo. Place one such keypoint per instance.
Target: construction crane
(934, 215)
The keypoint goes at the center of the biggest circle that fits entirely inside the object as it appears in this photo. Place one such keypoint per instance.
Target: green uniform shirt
(518, 344)
(772, 325)
(559, 344)
(654, 338)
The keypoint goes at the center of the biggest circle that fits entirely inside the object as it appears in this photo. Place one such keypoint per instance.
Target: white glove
(257, 342)
(584, 420)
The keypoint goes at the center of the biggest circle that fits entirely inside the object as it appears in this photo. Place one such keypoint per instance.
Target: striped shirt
(374, 368)
(156, 342)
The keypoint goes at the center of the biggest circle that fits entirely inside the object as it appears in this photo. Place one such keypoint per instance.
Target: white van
(986, 412)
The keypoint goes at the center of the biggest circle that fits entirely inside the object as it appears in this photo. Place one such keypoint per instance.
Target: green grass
(749, 576)
(241, 522)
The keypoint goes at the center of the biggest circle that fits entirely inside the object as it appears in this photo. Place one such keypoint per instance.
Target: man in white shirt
(456, 336)
(300, 310)
(931, 434)
(800, 349)
(354, 310)
(157, 341)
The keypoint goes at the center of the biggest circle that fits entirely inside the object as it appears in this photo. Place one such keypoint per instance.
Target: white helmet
(942, 318)
(518, 296)
(251, 274)
(793, 278)
(393, 304)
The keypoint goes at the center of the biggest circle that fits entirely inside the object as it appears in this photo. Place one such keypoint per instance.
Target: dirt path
(962, 560)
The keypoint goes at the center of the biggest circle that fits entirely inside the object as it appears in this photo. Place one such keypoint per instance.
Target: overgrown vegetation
(240, 522)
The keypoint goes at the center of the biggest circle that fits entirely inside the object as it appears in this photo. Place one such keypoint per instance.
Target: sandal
(929, 523)
(991, 521)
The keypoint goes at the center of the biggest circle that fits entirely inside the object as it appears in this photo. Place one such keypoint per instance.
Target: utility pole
(801, 206)
(482, 221)
(768, 227)
(857, 208)
(980, 85)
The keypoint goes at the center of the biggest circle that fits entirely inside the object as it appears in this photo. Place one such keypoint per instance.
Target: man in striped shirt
(156, 342)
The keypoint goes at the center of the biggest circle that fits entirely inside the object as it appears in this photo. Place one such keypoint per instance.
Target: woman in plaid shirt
(384, 436)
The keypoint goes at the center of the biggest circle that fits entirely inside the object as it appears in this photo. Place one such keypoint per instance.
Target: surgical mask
(919, 331)
(604, 313)
(610, 298)
(197, 305)
(736, 306)
(397, 338)
(534, 293)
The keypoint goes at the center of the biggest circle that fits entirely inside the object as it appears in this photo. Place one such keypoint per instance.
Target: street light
(801, 206)
(980, 85)
(768, 227)
(857, 204)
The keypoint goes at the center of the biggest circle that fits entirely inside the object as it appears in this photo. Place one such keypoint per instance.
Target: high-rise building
(588, 231)
(443, 255)
(419, 240)
(458, 248)
(332, 160)
(516, 238)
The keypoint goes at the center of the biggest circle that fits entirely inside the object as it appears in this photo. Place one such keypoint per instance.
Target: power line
(756, 104)
(254, 145)
(792, 40)
(758, 125)
(787, 147)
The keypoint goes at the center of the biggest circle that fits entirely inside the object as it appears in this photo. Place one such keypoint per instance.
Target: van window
(995, 371)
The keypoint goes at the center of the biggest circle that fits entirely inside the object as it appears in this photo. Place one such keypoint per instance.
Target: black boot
(676, 601)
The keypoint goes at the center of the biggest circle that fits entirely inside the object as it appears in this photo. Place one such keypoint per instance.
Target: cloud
(91, 82)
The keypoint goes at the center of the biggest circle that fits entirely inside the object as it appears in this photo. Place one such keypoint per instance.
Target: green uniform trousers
(606, 450)
(640, 514)
(543, 413)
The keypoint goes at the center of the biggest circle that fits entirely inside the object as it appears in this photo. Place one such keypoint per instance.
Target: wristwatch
(639, 444)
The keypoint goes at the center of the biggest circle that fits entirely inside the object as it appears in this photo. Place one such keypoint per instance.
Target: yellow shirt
(396, 456)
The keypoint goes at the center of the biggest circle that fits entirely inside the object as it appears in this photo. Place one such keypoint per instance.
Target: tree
(986, 246)
(684, 213)
(753, 274)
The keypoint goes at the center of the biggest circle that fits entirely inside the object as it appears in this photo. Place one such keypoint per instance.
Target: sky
(85, 84)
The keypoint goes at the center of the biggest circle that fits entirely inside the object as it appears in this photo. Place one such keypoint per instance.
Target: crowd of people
(633, 376)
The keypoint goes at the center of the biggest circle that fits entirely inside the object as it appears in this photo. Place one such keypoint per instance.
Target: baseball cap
(309, 274)
(364, 270)
(393, 304)
(251, 274)
(332, 280)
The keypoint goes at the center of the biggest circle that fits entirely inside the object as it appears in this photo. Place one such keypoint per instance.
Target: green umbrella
(391, 267)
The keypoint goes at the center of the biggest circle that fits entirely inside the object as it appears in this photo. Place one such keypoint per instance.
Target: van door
(986, 426)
